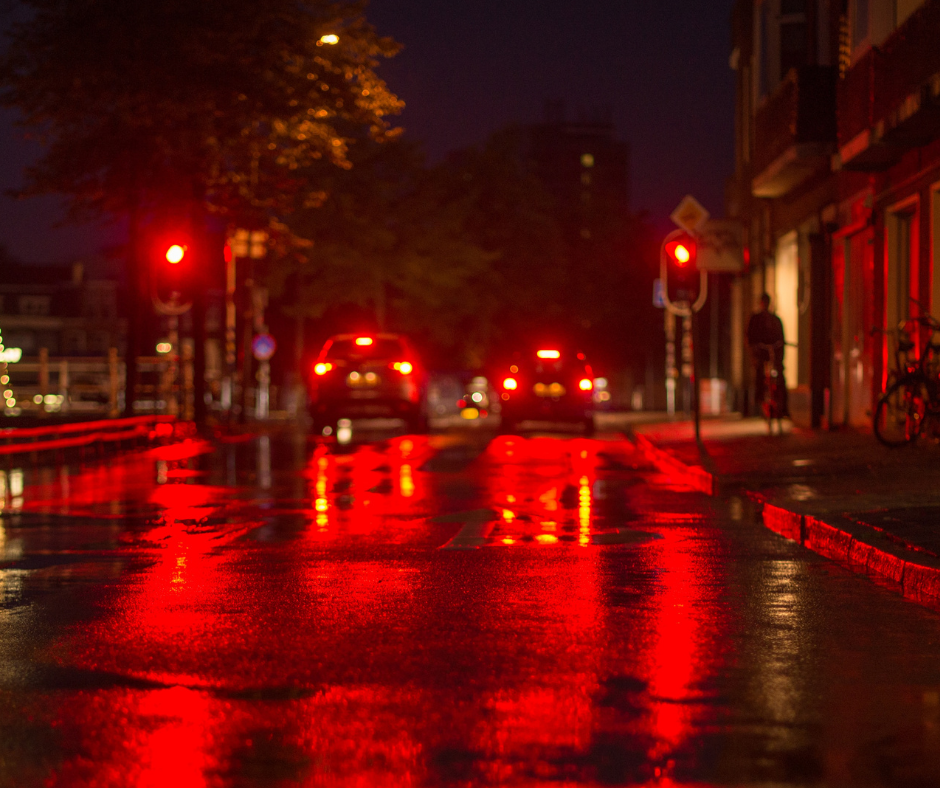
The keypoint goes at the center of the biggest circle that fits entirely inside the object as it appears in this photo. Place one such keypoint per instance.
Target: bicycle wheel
(900, 413)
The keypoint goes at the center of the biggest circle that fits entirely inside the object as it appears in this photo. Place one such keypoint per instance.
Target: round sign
(263, 346)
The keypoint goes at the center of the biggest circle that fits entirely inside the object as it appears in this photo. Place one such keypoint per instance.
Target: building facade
(837, 182)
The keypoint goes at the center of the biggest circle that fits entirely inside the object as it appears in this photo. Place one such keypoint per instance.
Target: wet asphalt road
(459, 609)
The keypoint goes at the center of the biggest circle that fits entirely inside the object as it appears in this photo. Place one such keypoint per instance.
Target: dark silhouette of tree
(173, 108)
(387, 242)
(218, 102)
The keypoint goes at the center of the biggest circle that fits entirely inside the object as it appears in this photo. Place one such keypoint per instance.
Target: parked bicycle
(911, 400)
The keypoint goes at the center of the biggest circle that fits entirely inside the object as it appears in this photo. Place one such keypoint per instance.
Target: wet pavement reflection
(453, 609)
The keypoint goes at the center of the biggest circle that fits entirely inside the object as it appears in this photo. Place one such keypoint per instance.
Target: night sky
(470, 67)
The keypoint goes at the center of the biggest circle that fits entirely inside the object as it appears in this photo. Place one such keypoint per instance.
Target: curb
(855, 546)
(691, 475)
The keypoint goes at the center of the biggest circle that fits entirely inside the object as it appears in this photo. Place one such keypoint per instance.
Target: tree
(387, 250)
(174, 110)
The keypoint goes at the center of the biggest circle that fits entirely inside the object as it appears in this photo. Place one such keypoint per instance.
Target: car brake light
(548, 354)
(405, 367)
(586, 384)
(364, 341)
(322, 368)
(510, 384)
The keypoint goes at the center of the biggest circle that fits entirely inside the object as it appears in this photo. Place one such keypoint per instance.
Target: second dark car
(547, 384)
(367, 376)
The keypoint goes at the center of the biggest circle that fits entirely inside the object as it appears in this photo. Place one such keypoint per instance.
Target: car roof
(336, 337)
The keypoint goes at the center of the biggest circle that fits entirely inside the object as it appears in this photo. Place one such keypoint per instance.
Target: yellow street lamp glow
(329, 38)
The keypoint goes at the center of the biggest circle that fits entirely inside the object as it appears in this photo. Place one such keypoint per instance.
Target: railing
(801, 110)
(101, 434)
(81, 385)
(882, 81)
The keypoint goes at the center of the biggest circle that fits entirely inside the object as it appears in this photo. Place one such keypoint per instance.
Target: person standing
(766, 340)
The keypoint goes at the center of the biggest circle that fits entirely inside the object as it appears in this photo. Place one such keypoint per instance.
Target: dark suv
(366, 376)
(548, 384)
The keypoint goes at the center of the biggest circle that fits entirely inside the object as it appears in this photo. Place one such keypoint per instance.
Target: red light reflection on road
(686, 626)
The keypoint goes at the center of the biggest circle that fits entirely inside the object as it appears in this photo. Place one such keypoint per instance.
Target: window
(901, 250)
(792, 46)
(860, 22)
(34, 305)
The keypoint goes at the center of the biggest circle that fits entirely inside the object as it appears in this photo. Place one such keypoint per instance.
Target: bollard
(43, 379)
(113, 382)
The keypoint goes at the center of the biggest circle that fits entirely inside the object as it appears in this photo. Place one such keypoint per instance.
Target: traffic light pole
(687, 311)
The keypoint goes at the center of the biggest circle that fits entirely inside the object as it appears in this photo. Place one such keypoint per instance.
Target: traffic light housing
(682, 281)
(171, 274)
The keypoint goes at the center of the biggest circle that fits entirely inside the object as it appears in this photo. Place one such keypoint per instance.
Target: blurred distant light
(322, 368)
(510, 384)
(343, 431)
(587, 160)
(548, 354)
(364, 341)
(585, 384)
(329, 38)
(38, 399)
(477, 396)
(175, 254)
(470, 414)
(164, 347)
(600, 383)
(405, 367)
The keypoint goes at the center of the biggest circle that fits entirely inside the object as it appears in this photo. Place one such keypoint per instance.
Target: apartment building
(837, 172)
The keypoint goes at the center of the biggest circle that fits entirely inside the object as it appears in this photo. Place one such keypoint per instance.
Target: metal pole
(670, 363)
(696, 408)
(43, 379)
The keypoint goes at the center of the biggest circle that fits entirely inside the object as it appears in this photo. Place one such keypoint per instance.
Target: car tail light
(548, 354)
(585, 384)
(322, 367)
(364, 341)
(510, 384)
(405, 367)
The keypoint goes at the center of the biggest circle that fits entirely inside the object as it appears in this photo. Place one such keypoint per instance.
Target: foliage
(220, 102)
(386, 240)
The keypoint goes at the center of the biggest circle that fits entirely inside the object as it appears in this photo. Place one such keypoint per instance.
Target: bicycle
(772, 405)
(912, 397)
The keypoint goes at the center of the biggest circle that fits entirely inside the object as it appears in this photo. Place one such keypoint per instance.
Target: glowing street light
(329, 38)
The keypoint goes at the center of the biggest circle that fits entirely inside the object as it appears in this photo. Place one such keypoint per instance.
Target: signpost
(262, 348)
(681, 247)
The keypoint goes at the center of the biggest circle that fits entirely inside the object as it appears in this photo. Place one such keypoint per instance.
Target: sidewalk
(841, 494)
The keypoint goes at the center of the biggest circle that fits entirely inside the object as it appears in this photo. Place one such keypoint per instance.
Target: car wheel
(589, 427)
(417, 423)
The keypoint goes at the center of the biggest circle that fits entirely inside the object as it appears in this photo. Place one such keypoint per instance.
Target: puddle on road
(489, 528)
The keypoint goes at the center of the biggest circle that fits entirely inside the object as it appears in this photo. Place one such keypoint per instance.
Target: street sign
(658, 301)
(263, 347)
(720, 246)
(690, 214)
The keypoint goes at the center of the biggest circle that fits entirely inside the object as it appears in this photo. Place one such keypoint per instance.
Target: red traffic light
(681, 252)
(175, 253)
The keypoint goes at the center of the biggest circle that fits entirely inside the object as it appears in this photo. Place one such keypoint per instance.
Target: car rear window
(380, 349)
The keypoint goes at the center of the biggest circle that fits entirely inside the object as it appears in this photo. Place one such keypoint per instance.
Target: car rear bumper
(547, 410)
(351, 407)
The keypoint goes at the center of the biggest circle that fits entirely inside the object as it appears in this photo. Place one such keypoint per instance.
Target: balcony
(794, 131)
(889, 102)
